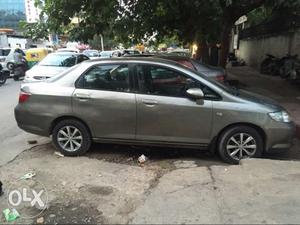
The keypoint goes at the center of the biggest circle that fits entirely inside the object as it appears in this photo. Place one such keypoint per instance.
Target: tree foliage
(135, 21)
(186, 19)
(35, 31)
(93, 16)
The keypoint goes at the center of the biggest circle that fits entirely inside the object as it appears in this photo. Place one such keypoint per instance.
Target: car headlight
(281, 116)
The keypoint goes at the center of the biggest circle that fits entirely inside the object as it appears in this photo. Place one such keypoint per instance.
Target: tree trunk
(226, 30)
(198, 52)
(202, 52)
(205, 53)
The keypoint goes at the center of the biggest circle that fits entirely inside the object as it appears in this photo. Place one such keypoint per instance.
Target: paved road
(12, 139)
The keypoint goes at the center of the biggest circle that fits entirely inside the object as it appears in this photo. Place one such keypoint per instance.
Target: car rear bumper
(32, 123)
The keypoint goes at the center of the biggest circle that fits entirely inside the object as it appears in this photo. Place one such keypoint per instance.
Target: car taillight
(220, 78)
(23, 97)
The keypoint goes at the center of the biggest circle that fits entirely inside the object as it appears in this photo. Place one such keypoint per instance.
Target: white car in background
(7, 57)
(91, 53)
(106, 54)
(68, 50)
(52, 65)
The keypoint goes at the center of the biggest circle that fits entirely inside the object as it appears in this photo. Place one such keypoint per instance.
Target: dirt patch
(80, 189)
(79, 212)
(100, 190)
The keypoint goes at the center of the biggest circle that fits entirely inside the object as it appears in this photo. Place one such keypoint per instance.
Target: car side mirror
(195, 93)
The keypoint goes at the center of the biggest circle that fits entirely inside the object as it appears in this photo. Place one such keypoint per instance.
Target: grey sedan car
(146, 101)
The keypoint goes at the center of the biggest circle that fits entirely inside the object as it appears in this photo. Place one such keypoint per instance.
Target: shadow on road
(165, 157)
(162, 156)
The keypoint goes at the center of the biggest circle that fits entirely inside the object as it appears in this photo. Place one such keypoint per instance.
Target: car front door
(104, 100)
(165, 113)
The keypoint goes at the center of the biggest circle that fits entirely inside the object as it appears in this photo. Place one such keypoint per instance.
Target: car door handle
(82, 96)
(149, 102)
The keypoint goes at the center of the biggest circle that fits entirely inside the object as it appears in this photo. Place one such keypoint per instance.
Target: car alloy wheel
(240, 146)
(69, 138)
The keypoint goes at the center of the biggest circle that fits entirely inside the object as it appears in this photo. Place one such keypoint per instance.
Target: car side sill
(152, 143)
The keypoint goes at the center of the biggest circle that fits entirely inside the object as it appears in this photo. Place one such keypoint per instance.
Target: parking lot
(174, 185)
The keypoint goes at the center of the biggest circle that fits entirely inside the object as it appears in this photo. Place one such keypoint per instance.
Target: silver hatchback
(146, 101)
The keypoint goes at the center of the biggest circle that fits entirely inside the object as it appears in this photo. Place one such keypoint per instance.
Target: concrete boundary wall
(253, 50)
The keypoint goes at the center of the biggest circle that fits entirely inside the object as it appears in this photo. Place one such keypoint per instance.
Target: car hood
(45, 71)
(260, 99)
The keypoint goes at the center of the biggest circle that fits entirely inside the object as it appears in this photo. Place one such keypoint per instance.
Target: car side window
(106, 77)
(158, 80)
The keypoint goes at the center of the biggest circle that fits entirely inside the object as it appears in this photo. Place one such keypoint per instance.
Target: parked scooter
(269, 65)
(19, 70)
(3, 75)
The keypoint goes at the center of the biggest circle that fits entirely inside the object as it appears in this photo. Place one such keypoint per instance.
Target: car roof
(174, 57)
(135, 59)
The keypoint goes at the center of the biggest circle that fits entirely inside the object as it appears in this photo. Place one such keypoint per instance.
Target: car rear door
(164, 113)
(105, 101)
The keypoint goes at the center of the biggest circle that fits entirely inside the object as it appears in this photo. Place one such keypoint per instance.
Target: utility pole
(102, 45)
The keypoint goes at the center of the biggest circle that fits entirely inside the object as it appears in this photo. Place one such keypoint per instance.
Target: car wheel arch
(256, 127)
(66, 117)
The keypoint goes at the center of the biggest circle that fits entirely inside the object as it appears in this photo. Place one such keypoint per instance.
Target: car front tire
(71, 137)
(240, 142)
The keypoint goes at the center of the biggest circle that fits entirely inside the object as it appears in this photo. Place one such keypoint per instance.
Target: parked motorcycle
(289, 67)
(3, 75)
(270, 65)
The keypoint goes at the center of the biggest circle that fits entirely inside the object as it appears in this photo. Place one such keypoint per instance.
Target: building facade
(11, 12)
(32, 12)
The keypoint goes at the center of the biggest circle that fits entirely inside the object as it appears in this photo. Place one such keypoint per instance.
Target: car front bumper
(280, 136)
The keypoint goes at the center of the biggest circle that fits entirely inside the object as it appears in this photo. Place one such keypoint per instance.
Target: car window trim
(138, 91)
(131, 85)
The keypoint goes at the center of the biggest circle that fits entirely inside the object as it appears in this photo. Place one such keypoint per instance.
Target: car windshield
(4, 52)
(59, 60)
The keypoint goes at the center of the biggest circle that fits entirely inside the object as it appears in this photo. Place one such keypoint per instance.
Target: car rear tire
(240, 142)
(71, 137)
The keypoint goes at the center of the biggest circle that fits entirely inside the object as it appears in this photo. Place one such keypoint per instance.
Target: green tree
(93, 17)
(35, 31)
(191, 21)
(132, 21)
